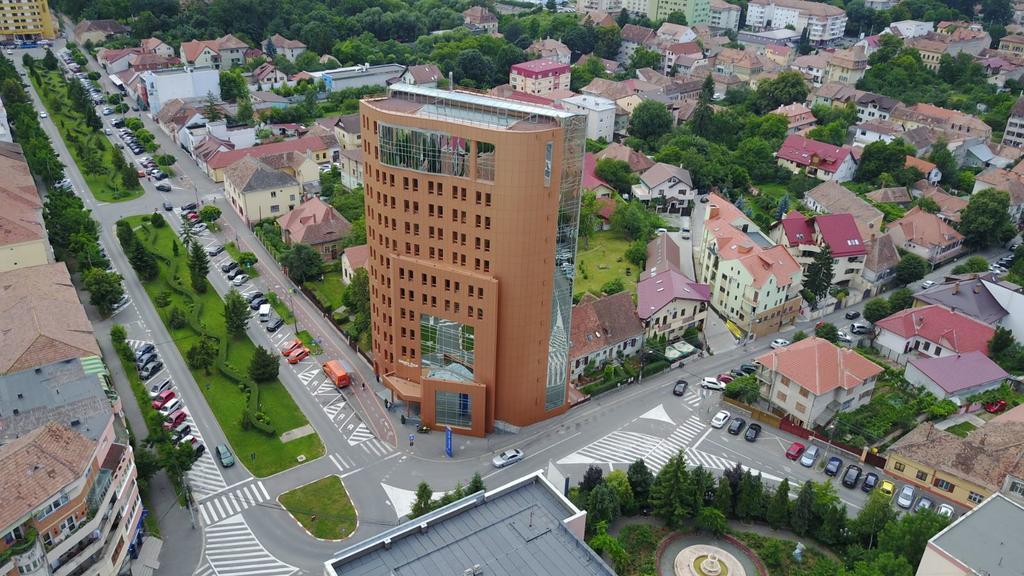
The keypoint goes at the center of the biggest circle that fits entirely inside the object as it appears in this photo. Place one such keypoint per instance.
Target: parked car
(189, 207)
(905, 497)
(858, 328)
(274, 325)
(171, 407)
(995, 407)
(748, 368)
(843, 336)
(725, 378)
(945, 510)
(886, 487)
(146, 348)
(163, 187)
(870, 481)
(720, 419)
(924, 503)
(507, 458)
(255, 304)
(198, 227)
(711, 383)
(250, 297)
(159, 387)
(227, 459)
(810, 456)
(228, 266)
(42, 114)
(680, 387)
(181, 430)
(290, 347)
(927, 284)
(852, 476)
(150, 370)
(833, 466)
(736, 426)
(146, 358)
(240, 279)
(753, 431)
(214, 250)
(779, 343)
(852, 315)
(298, 356)
(234, 273)
(795, 450)
(168, 206)
(163, 398)
(176, 418)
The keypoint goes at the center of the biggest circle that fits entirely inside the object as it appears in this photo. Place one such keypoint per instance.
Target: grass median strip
(323, 508)
(262, 454)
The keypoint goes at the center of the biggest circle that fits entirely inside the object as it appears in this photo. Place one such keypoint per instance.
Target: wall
(961, 490)
(678, 315)
(254, 206)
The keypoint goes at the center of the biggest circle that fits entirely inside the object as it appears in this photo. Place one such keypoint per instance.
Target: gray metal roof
(60, 392)
(967, 296)
(470, 99)
(987, 539)
(510, 531)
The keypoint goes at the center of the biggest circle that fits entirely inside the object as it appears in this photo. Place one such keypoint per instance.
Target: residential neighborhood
(597, 287)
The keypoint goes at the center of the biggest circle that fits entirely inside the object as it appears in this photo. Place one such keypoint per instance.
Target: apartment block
(26, 20)
(696, 11)
(806, 237)
(539, 77)
(607, 6)
(472, 209)
(825, 23)
(1014, 133)
(755, 284)
(724, 15)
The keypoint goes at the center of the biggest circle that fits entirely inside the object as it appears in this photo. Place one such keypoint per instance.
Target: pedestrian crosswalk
(375, 447)
(341, 462)
(618, 447)
(233, 550)
(696, 457)
(204, 569)
(360, 434)
(678, 440)
(231, 502)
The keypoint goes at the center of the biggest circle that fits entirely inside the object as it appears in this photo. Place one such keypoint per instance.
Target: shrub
(176, 319)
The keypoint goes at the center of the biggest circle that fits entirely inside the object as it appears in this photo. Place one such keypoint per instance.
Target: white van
(265, 313)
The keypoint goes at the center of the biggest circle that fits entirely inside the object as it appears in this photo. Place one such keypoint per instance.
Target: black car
(189, 207)
(168, 206)
(680, 388)
(255, 304)
(833, 466)
(146, 358)
(852, 476)
(870, 481)
(163, 187)
(199, 450)
(144, 349)
(253, 296)
(753, 431)
(274, 324)
(233, 272)
(736, 426)
(160, 176)
(748, 368)
(737, 372)
(214, 250)
(852, 315)
(228, 266)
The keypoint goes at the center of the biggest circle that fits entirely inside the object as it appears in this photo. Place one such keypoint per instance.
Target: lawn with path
(227, 399)
(603, 260)
(102, 180)
(323, 508)
(329, 291)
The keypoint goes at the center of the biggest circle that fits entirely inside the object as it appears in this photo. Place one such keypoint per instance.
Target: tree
(263, 366)
(828, 331)
(876, 309)
(202, 354)
(786, 88)
(247, 259)
(908, 536)
(198, 266)
(927, 204)
(49, 60)
(303, 263)
(778, 506)
(640, 481)
(1001, 341)
(986, 220)
(650, 120)
(617, 174)
(801, 517)
(911, 268)
(744, 388)
(901, 300)
(635, 222)
(668, 490)
(748, 500)
(644, 58)
(603, 504)
(971, 265)
(105, 288)
(723, 496)
(476, 484)
(882, 158)
(422, 504)
(876, 513)
(209, 213)
(591, 478)
(619, 482)
(236, 313)
(712, 521)
(818, 278)
(211, 111)
(613, 286)
(703, 115)
(588, 217)
(607, 41)
(944, 161)
(244, 112)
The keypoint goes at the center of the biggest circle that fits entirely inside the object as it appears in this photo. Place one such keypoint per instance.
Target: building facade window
(922, 476)
(425, 151)
(944, 485)
(899, 467)
(446, 347)
(1017, 487)
(975, 498)
(453, 408)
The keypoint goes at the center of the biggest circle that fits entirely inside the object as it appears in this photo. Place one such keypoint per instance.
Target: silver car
(507, 458)
(810, 456)
(905, 497)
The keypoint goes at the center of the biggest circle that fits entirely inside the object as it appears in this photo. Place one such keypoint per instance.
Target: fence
(797, 430)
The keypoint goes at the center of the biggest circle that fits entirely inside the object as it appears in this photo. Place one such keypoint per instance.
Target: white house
(600, 114)
(955, 377)
(603, 329)
(930, 331)
(669, 187)
(164, 85)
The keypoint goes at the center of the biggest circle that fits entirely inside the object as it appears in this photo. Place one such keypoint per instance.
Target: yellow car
(886, 487)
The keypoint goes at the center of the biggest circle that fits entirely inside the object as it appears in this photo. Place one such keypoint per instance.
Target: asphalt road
(380, 473)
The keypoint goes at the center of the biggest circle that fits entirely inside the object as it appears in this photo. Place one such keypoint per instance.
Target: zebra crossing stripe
(362, 433)
(233, 502)
(375, 447)
(695, 456)
(232, 549)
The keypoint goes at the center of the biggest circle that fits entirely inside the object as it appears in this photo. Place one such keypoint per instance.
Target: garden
(251, 414)
(604, 262)
(108, 175)
(323, 508)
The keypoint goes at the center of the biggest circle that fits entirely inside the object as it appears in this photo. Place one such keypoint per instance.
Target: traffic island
(322, 508)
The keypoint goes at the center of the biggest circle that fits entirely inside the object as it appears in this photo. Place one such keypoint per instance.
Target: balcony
(19, 547)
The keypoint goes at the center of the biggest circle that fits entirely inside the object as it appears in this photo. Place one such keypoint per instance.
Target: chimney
(977, 288)
(956, 288)
(712, 212)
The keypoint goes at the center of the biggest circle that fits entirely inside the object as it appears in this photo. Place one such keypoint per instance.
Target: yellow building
(26, 20)
(257, 191)
(964, 470)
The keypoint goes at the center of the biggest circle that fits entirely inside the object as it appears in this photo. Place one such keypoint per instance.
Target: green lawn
(323, 508)
(102, 181)
(307, 340)
(602, 261)
(961, 429)
(236, 254)
(224, 396)
(329, 290)
(279, 306)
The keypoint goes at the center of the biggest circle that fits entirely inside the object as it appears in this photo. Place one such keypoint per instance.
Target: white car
(171, 407)
(711, 383)
(945, 510)
(927, 284)
(42, 115)
(997, 269)
(507, 458)
(156, 389)
(240, 279)
(843, 336)
(905, 497)
(780, 343)
(720, 419)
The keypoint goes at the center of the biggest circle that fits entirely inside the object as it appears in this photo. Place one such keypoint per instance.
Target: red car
(291, 347)
(175, 419)
(192, 217)
(164, 397)
(725, 378)
(298, 355)
(795, 450)
(995, 407)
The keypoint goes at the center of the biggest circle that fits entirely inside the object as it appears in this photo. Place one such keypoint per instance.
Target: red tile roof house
(603, 330)
(926, 235)
(805, 237)
(820, 160)
(317, 224)
(592, 182)
(666, 300)
(955, 377)
(930, 331)
(539, 77)
(352, 259)
(812, 380)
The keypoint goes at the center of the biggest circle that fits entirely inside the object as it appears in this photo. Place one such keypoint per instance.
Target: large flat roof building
(472, 209)
(979, 542)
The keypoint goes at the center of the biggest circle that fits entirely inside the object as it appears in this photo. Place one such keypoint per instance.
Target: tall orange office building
(472, 207)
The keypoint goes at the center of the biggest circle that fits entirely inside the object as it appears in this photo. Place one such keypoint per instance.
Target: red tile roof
(598, 323)
(357, 256)
(819, 366)
(540, 68)
(590, 178)
(951, 330)
(798, 228)
(659, 289)
(314, 222)
(226, 158)
(840, 232)
(807, 152)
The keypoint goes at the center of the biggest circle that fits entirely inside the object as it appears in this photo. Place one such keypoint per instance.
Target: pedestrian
(364, 385)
